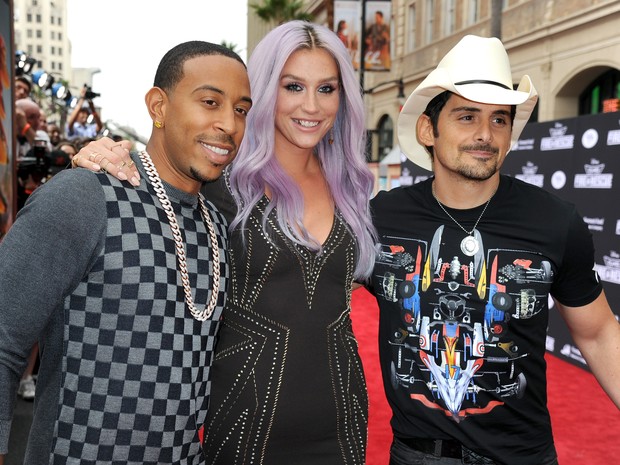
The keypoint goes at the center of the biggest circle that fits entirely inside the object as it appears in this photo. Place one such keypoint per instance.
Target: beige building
(40, 29)
(41, 32)
(570, 49)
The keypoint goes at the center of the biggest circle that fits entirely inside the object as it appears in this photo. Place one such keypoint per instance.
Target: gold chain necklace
(205, 314)
(469, 245)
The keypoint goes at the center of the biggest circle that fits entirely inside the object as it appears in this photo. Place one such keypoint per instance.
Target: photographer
(36, 161)
(77, 125)
(27, 115)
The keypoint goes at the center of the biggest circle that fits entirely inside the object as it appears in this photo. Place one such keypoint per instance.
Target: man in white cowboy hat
(468, 260)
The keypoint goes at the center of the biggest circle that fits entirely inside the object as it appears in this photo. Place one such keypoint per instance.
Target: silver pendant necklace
(469, 245)
(206, 313)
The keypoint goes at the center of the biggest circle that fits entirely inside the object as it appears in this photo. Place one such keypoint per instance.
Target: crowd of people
(44, 149)
(45, 145)
(192, 301)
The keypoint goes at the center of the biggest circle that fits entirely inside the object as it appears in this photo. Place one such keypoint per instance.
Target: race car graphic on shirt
(455, 328)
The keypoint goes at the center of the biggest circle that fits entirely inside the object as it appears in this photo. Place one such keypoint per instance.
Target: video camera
(37, 166)
(89, 94)
(35, 162)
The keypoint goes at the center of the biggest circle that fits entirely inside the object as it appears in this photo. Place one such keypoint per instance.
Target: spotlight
(71, 101)
(59, 91)
(68, 99)
(43, 79)
(23, 63)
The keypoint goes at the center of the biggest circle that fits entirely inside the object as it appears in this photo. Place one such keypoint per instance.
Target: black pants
(403, 454)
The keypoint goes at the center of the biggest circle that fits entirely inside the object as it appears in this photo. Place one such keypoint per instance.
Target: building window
(39, 34)
(449, 19)
(411, 23)
(39, 49)
(430, 21)
(38, 19)
(29, 17)
(385, 131)
(29, 49)
(60, 51)
(602, 95)
(53, 50)
(52, 19)
(473, 12)
(54, 65)
(29, 33)
(60, 21)
(60, 66)
(60, 36)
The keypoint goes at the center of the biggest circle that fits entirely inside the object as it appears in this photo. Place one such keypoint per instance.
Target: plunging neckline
(335, 218)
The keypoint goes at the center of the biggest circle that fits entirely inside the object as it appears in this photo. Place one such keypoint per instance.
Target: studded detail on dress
(288, 385)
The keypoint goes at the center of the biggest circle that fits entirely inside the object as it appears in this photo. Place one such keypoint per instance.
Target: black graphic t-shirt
(464, 319)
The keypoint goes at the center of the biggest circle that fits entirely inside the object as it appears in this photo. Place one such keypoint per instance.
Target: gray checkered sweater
(89, 270)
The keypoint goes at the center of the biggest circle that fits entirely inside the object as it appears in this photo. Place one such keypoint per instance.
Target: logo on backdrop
(609, 271)
(573, 352)
(594, 224)
(523, 144)
(558, 179)
(558, 139)
(530, 175)
(594, 178)
(613, 137)
(589, 138)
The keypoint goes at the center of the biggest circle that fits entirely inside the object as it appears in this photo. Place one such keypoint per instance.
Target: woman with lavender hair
(287, 380)
(288, 385)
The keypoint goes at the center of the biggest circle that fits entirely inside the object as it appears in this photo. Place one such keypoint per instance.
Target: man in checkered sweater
(90, 269)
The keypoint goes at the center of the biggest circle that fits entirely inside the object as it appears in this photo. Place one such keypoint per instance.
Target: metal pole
(496, 19)
(363, 46)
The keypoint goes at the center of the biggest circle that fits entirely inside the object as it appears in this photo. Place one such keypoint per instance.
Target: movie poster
(377, 36)
(7, 145)
(347, 21)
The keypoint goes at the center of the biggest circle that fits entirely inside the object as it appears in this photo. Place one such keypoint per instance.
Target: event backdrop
(576, 159)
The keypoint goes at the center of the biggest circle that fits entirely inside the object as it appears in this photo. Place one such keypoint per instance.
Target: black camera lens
(89, 94)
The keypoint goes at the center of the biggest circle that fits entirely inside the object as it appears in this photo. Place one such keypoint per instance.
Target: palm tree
(230, 46)
(280, 11)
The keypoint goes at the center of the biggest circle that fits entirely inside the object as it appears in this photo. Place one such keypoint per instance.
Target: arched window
(604, 88)
(385, 131)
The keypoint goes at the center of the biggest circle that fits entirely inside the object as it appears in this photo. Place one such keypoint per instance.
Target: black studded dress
(287, 380)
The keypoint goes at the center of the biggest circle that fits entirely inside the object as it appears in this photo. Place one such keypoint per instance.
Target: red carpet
(586, 423)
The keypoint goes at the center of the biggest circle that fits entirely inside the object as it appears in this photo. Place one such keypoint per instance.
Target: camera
(35, 163)
(36, 167)
(89, 94)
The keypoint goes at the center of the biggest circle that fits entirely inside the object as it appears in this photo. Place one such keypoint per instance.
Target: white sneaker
(26, 388)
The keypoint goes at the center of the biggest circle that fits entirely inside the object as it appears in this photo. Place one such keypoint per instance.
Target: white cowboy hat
(477, 68)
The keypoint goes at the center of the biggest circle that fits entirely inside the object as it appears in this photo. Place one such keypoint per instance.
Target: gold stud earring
(158, 124)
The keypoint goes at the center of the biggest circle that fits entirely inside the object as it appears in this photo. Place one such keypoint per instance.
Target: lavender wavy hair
(349, 179)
